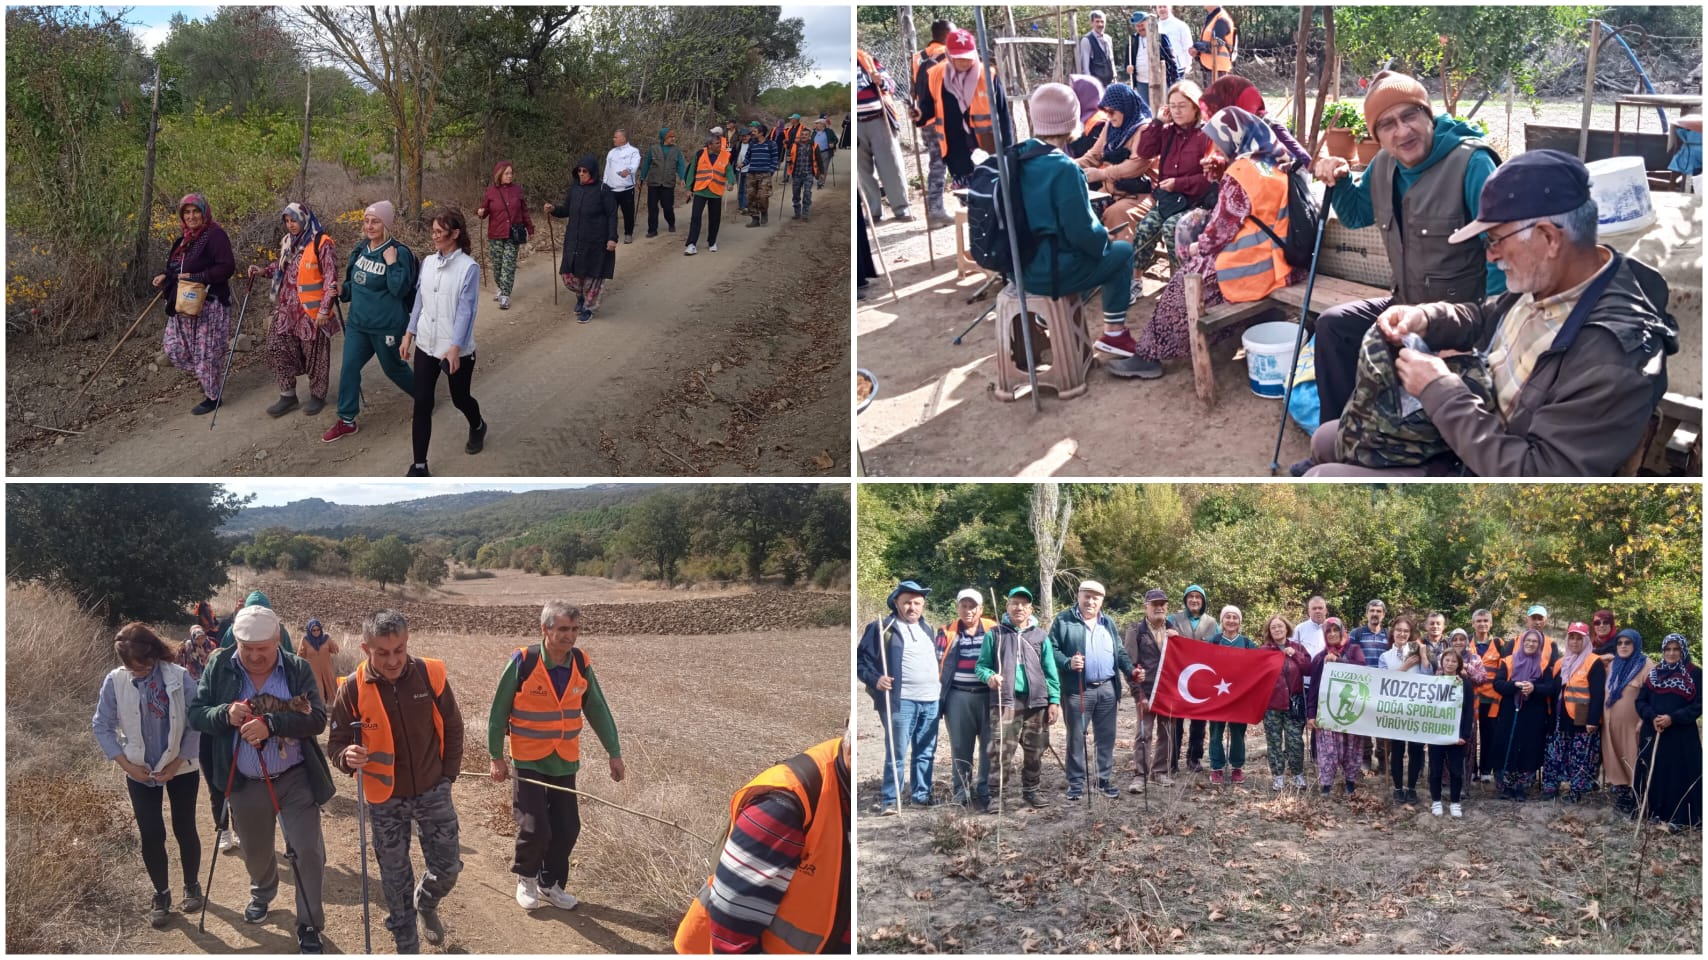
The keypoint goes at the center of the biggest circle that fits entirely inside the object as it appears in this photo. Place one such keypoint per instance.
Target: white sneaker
(1455, 810)
(503, 303)
(1298, 781)
(690, 250)
(713, 248)
(556, 896)
(1278, 783)
(528, 893)
(227, 841)
(1435, 808)
(1137, 786)
(495, 296)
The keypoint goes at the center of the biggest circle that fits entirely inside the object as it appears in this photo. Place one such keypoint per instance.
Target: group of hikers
(416, 314)
(243, 707)
(1561, 716)
(1563, 340)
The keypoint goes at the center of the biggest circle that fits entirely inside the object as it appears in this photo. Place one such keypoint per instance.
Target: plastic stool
(1069, 343)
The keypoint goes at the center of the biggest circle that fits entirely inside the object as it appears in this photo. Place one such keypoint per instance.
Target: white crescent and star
(1222, 688)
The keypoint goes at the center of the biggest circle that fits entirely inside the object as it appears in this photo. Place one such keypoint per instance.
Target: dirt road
(727, 363)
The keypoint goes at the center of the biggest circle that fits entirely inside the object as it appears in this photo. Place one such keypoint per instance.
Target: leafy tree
(387, 560)
(138, 551)
(240, 57)
(658, 531)
(565, 549)
(429, 568)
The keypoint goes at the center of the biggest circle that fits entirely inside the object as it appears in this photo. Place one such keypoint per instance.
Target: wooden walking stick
(919, 168)
(878, 248)
(1643, 802)
(1001, 722)
(889, 715)
(121, 343)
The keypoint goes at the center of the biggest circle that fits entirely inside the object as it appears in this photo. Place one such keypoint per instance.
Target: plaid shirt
(1525, 333)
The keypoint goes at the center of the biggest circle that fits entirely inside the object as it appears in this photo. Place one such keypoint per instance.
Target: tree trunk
(1299, 70)
(307, 102)
(1052, 510)
(139, 259)
(1159, 76)
(1330, 76)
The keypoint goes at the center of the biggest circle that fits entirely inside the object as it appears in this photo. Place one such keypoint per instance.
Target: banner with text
(1388, 704)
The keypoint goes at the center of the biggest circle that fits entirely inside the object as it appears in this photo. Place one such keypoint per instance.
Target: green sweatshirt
(594, 710)
(380, 294)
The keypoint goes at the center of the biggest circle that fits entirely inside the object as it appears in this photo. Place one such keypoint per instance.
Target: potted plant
(1345, 125)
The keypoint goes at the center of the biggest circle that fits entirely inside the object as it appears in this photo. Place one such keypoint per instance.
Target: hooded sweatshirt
(256, 598)
(1352, 199)
(505, 204)
(1205, 626)
(663, 164)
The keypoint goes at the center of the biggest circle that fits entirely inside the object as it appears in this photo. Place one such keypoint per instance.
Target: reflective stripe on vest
(1221, 55)
(1486, 694)
(379, 774)
(806, 917)
(977, 113)
(709, 175)
(1254, 266)
(311, 280)
(541, 722)
(1576, 695)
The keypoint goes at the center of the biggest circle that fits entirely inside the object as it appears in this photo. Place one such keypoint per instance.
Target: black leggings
(1451, 757)
(1486, 740)
(216, 791)
(427, 383)
(146, 802)
(1397, 753)
(626, 206)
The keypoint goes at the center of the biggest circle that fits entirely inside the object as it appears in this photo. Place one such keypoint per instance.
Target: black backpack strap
(530, 660)
(806, 770)
(1265, 228)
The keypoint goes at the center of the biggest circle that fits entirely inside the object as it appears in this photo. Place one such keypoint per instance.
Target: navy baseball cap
(1536, 183)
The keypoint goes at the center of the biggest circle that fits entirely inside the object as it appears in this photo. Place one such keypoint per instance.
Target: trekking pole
(1299, 338)
(116, 346)
(1085, 728)
(362, 841)
(919, 166)
(231, 353)
(889, 722)
(278, 814)
(878, 249)
(962, 335)
(1006, 177)
(1001, 754)
(225, 814)
(596, 799)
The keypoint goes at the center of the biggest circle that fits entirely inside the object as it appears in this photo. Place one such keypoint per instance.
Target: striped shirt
(1525, 333)
(965, 649)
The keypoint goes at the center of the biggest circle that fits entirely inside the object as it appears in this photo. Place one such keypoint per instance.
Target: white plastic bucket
(1696, 185)
(1620, 187)
(1269, 356)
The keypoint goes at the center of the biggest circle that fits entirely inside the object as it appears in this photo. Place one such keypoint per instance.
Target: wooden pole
(910, 37)
(1588, 87)
(1509, 90)
(307, 102)
(139, 258)
(1299, 71)
(1323, 84)
(1058, 32)
(1073, 40)
(94, 376)
(1158, 80)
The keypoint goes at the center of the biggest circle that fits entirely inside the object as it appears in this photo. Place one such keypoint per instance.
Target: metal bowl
(870, 396)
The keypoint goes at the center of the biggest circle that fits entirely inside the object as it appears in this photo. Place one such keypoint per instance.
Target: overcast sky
(273, 493)
(826, 32)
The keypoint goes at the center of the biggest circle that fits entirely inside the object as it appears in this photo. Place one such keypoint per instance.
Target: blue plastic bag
(1304, 406)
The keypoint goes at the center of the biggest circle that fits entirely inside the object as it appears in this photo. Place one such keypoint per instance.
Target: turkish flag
(1206, 681)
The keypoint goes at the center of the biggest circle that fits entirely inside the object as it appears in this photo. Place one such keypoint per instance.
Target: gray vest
(1027, 649)
(1428, 269)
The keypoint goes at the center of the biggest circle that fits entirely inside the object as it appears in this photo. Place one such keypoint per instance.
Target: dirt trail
(761, 325)
(682, 772)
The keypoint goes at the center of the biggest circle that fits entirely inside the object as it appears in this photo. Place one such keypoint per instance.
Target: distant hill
(487, 514)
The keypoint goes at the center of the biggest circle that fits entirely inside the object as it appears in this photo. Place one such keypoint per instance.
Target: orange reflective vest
(873, 74)
(977, 112)
(1576, 692)
(1486, 695)
(711, 174)
(932, 55)
(1220, 59)
(802, 138)
(541, 722)
(1252, 265)
(311, 280)
(378, 774)
(806, 918)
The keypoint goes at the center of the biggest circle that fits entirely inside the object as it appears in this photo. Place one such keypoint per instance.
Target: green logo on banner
(1347, 698)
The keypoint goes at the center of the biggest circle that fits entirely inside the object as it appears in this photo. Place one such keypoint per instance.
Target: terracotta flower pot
(1340, 143)
(1367, 150)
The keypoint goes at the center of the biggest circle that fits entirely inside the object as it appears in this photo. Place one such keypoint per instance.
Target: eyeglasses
(1412, 116)
(1492, 243)
(1602, 621)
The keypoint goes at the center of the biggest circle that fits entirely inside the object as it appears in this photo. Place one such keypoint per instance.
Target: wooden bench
(1351, 265)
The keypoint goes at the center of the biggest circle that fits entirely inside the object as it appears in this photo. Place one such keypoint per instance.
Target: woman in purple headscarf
(202, 254)
(1527, 683)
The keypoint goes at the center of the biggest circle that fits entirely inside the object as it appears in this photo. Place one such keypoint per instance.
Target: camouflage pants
(503, 256)
(435, 819)
(802, 197)
(1285, 738)
(1025, 728)
(936, 174)
(758, 194)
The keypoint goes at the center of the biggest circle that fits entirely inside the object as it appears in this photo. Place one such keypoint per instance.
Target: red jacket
(1291, 681)
(504, 205)
(1180, 153)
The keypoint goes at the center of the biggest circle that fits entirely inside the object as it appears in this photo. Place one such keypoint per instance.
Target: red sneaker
(1216, 777)
(1120, 344)
(339, 429)
(1238, 775)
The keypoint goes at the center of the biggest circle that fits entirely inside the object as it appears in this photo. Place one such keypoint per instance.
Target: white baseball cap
(970, 594)
(1094, 587)
(255, 624)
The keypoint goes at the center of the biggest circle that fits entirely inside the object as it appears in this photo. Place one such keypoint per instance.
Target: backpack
(1303, 214)
(990, 204)
(1382, 425)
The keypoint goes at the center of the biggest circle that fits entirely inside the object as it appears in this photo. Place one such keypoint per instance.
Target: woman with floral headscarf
(1621, 727)
(202, 254)
(1236, 91)
(1527, 684)
(317, 648)
(1670, 704)
(197, 650)
(1203, 237)
(305, 284)
(1574, 745)
(1337, 752)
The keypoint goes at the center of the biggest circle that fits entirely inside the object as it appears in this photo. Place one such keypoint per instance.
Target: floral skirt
(198, 345)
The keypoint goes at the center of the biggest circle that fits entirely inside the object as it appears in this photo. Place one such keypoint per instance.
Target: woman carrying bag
(508, 227)
(198, 298)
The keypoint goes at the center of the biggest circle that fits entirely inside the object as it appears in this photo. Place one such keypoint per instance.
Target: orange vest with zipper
(709, 174)
(1221, 55)
(977, 112)
(806, 918)
(1252, 266)
(311, 280)
(378, 775)
(1576, 693)
(1491, 661)
(541, 722)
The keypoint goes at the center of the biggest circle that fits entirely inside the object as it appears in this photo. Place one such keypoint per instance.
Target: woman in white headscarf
(305, 284)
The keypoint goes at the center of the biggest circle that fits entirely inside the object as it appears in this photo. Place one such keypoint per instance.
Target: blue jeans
(1101, 704)
(914, 723)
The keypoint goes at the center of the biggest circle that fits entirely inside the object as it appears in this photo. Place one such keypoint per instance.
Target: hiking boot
(1278, 783)
(671, 227)
(980, 805)
(285, 404)
(308, 939)
(1411, 794)
(1137, 786)
(628, 238)
(207, 406)
(1165, 780)
(558, 897)
(1134, 367)
(503, 303)
(650, 234)
(432, 927)
(754, 222)
(765, 219)
(1299, 781)
(227, 841)
(193, 898)
(1120, 344)
(1435, 808)
(160, 909)
(1298, 470)
(1108, 790)
(256, 911)
(1195, 766)
(1237, 776)
(797, 215)
(314, 405)
(1216, 777)
(1455, 810)
(1399, 795)
(1035, 800)
(528, 893)
(806, 215)
(418, 470)
(477, 439)
(340, 429)
(690, 250)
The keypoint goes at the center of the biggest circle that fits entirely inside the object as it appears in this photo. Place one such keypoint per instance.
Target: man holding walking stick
(1019, 663)
(1088, 648)
(897, 661)
(546, 693)
(262, 708)
(396, 726)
